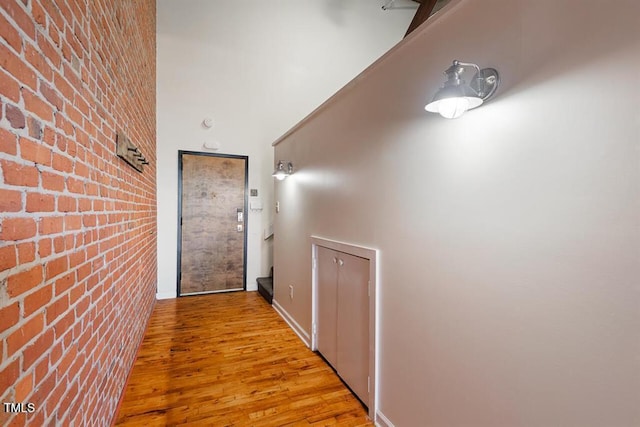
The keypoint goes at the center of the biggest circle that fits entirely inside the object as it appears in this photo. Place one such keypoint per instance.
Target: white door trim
(372, 256)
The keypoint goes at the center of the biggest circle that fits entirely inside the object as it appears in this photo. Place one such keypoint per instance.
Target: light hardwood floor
(230, 360)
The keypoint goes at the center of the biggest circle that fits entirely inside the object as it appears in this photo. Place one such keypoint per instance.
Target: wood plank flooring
(230, 360)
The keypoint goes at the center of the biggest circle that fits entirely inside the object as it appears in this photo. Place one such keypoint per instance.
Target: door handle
(340, 262)
(335, 260)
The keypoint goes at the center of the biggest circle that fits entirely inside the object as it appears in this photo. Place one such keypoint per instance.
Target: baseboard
(382, 421)
(165, 295)
(252, 287)
(126, 381)
(302, 334)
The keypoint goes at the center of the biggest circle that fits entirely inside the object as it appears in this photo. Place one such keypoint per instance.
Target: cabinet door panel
(327, 304)
(353, 323)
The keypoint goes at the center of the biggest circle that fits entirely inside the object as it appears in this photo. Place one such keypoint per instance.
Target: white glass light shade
(453, 101)
(282, 171)
(280, 175)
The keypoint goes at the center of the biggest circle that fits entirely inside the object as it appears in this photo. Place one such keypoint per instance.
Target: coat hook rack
(129, 152)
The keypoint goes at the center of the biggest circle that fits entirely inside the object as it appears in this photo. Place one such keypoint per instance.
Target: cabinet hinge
(314, 329)
(314, 263)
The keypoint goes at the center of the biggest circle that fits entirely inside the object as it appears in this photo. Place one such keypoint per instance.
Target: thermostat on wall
(207, 122)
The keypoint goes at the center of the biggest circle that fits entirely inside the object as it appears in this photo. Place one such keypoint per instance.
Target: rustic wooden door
(212, 198)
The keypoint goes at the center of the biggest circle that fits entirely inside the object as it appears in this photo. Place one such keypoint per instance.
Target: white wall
(509, 238)
(256, 67)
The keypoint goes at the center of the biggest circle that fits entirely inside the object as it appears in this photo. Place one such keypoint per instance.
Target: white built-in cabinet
(342, 316)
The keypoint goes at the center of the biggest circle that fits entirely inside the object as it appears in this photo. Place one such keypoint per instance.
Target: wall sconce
(455, 96)
(282, 170)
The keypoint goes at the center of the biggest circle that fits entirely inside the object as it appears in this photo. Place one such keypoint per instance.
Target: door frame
(372, 256)
(246, 217)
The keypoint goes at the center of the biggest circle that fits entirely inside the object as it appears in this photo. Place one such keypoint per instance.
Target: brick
(66, 204)
(35, 127)
(65, 282)
(18, 69)
(38, 13)
(64, 323)
(9, 316)
(56, 352)
(52, 181)
(62, 163)
(63, 86)
(75, 185)
(26, 252)
(73, 114)
(37, 300)
(9, 33)
(66, 127)
(24, 387)
(76, 293)
(38, 202)
(91, 190)
(8, 142)
(72, 108)
(24, 281)
(49, 51)
(9, 374)
(56, 267)
(81, 170)
(24, 334)
(89, 220)
(15, 116)
(10, 201)
(59, 244)
(9, 86)
(34, 104)
(18, 228)
(73, 222)
(20, 175)
(44, 248)
(8, 257)
(42, 367)
(38, 61)
(77, 257)
(49, 136)
(66, 361)
(53, 12)
(56, 309)
(51, 225)
(16, 11)
(71, 391)
(51, 95)
(43, 390)
(85, 205)
(83, 272)
(35, 152)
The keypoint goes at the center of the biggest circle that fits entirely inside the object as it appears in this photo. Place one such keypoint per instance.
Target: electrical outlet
(291, 291)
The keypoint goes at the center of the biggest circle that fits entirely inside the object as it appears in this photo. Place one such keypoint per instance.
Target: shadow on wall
(555, 51)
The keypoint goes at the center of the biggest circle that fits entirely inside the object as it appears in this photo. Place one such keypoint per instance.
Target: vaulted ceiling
(425, 10)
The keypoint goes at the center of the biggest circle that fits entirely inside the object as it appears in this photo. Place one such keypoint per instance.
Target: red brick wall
(77, 224)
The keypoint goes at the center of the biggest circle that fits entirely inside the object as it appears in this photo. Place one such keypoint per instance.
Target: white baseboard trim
(252, 287)
(302, 334)
(165, 295)
(382, 421)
